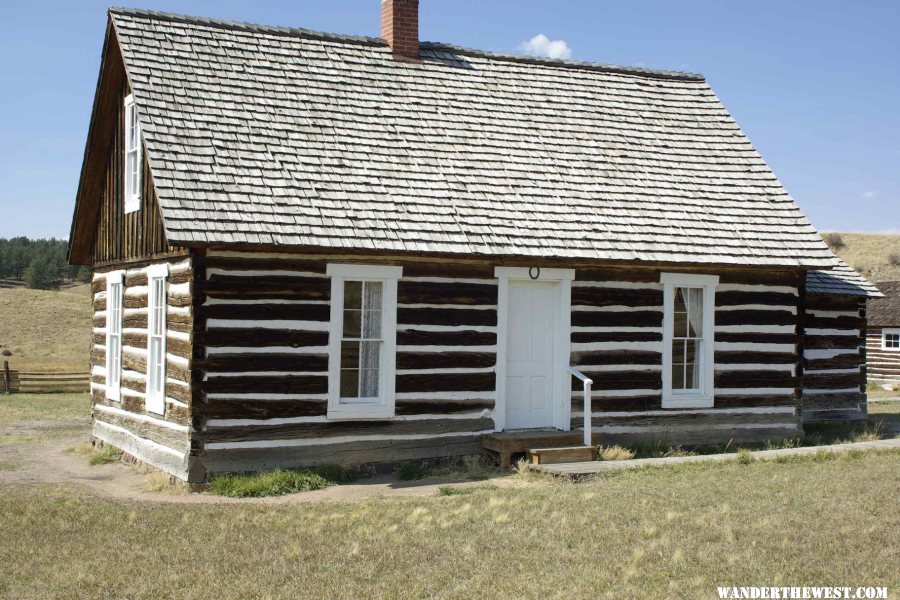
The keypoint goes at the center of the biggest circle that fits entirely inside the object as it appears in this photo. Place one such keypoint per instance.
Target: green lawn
(27, 407)
(674, 532)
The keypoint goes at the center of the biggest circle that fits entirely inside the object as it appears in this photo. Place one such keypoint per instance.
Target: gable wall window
(362, 341)
(132, 172)
(156, 338)
(688, 352)
(890, 339)
(114, 294)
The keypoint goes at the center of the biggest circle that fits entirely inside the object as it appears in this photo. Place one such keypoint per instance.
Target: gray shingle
(277, 135)
(843, 280)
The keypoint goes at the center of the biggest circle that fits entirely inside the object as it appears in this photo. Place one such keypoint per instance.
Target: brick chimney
(400, 27)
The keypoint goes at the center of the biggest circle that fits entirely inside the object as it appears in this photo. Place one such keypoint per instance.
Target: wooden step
(507, 443)
(564, 454)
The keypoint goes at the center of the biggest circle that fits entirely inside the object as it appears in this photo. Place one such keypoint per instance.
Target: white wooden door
(531, 336)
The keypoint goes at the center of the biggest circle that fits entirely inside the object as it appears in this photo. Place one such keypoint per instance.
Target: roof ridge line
(432, 46)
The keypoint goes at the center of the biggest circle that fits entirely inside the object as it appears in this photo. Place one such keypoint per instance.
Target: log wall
(162, 441)
(834, 374)
(883, 366)
(262, 358)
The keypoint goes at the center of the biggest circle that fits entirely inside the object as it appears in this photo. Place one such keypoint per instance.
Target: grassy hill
(46, 330)
(877, 256)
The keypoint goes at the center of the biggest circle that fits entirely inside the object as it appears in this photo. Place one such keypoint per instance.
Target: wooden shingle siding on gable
(265, 370)
(834, 373)
(160, 440)
(121, 236)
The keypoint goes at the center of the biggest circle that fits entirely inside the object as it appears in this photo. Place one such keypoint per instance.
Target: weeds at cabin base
(411, 471)
(104, 456)
(268, 483)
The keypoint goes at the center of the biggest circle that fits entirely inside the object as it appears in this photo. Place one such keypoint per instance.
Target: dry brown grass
(615, 453)
(673, 532)
(871, 254)
(46, 330)
(25, 407)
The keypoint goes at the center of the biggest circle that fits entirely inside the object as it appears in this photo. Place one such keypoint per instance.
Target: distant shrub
(894, 259)
(410, 471)
(834, 240)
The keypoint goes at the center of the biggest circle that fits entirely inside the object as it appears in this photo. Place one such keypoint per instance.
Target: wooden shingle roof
(885, 312)
(274, 136)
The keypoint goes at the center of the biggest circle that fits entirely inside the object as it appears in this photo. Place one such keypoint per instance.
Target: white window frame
(704, 397)
(884, 333)
(132, 198)
(115, 294)
(156, 399)
(383, 406)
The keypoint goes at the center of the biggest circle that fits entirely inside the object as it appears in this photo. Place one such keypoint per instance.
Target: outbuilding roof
(269, 136)
(885, 312)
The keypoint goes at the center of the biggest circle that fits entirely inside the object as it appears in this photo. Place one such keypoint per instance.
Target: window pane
(373, 295)
(349, 355)
(371, 325)
(368, 383)
(680, 314)
(349, 383)
(353, 294)
(692, 365)
(352, 327)
(695, 312)
(678, 364)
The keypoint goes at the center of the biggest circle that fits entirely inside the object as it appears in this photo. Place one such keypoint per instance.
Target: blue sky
(815, 84)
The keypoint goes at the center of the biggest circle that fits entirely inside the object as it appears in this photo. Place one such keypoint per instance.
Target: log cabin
(883, 336)
(315, 248)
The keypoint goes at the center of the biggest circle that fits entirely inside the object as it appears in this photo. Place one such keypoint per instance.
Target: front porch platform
(578, 470)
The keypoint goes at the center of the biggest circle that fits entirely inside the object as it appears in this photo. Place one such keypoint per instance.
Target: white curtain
(694, 302)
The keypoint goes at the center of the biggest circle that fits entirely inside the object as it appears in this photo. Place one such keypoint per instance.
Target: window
(114, 335)
(362, 341)
(132, 172)
(688, 322)
(156, 338)
(890, 339)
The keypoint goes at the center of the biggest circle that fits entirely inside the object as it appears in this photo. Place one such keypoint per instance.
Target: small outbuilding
(883, 335)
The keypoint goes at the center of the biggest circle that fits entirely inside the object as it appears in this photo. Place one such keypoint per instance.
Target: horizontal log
(98, 285)
(844, 322)
(446, 316)
(157, 433)
(688, 418)
(255, 338)
(755, 317)
(243, 408)
(841, 361)
(832, 401)
(753, 401)
(758, 358)
(847, 415)
(624, 403)
(641, 318)
(832, 381)
(135, 302)
(262, 264)
(738, 298)
(761, 277)
(755, 379)
(445, 360)
(99, 304)
(446, 382)
(441, 407)
(134, 404)
(758, 338)
(355, 453)
(829, 302)
(282, 384)
(342, 428)
(827, 342)
(446, 338)
(426, 292)
(700, 436)
(586, 337)
(598, 297)
(173, 346)
(449, 270)
(271, 287)
(266, 312)
(620, 380)
(618, 274)
(241, 363)
(617, 357)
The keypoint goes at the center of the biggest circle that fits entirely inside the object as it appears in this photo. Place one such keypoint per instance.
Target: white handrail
(587, 403)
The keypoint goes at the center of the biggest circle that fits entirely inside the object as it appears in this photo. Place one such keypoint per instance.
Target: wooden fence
(14, 381)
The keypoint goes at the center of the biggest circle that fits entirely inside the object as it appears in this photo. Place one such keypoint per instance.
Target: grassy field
(674, 532)
(26, 407)
(870, 254)
(46, 330)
